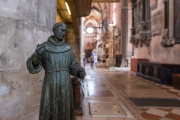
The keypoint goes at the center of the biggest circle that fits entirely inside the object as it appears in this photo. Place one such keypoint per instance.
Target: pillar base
(110, 62)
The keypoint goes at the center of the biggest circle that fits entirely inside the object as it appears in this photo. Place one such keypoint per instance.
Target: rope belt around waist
(58, 70)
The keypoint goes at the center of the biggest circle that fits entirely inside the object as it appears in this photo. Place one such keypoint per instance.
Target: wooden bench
(176, 81)
(78, 96)
(134, 64)
(157, 72)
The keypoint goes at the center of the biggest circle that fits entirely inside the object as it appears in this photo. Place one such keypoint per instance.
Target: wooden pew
(176, 81)
(78, 96)
(157, 72)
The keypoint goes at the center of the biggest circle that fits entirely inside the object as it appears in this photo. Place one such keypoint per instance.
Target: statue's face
(60, 32)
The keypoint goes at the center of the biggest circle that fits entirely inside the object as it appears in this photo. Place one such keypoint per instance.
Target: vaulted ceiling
(80, 8)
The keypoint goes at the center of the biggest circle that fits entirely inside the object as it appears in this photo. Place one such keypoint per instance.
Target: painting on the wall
(177, 21)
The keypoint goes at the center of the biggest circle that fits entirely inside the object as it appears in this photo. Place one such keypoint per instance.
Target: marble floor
(107, 96)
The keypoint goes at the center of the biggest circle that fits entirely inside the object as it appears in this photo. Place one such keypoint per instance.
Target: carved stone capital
(166, 41)
(141, 39)
(132, 40)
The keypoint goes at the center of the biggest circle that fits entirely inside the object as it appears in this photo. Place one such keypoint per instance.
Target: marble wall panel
(24, 24)
(156, 23)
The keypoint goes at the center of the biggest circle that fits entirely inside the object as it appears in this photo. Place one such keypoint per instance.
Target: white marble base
(119, 69)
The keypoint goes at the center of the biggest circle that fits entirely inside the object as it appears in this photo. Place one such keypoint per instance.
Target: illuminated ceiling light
(67, 6)
(112, 24)
(114, 5)
(90, 30)
(97, 36)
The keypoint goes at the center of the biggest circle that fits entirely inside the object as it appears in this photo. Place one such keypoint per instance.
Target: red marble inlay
(173, 116)
(148, 116)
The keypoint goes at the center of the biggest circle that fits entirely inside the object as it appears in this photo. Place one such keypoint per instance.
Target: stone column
(73, 41)
(124, 24)
(23, 24)
(82, 41)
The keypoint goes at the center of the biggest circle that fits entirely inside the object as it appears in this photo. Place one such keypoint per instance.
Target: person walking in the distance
(58, 61)
(92, 61)
(84, 61)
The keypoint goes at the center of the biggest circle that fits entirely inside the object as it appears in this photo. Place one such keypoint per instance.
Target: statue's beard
(60, 37)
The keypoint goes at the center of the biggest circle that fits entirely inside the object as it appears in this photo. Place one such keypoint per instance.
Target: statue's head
(60, 30)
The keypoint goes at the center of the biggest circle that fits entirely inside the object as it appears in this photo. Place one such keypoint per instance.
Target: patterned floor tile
(148, 116)
(173, 116)
(158, 112)
(176, 111)
(103, 85)
(174, 90)
(166, 109)
(165, 118)
(100, 93)
(106, 109)
(94, 84)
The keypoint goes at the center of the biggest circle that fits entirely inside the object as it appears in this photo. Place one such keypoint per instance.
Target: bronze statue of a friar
(56, 57)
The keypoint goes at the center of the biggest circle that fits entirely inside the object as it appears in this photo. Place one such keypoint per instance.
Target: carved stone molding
(117, 37)
(141, 23)
(157, 13)
(166, 42)
(156, 23)
(140, 40)
(154, 5)
(143, 37)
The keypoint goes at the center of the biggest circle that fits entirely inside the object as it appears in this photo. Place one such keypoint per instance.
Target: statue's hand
(40, 49)
(81, 73)
(37, 58)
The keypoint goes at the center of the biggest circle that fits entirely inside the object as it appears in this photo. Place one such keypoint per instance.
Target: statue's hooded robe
(58, 62)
